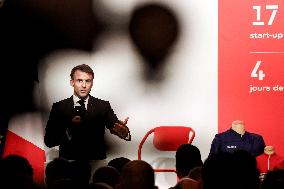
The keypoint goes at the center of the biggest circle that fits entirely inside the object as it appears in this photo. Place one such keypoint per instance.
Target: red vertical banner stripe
(36, 156)
(25, 138)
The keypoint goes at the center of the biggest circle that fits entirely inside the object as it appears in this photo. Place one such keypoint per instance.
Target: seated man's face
(82, 83)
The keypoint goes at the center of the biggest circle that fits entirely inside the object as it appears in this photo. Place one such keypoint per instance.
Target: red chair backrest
(169, 138)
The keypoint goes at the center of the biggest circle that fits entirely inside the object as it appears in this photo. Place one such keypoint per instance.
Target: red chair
(168, 138)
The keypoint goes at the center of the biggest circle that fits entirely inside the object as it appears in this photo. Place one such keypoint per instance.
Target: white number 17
(258, 22)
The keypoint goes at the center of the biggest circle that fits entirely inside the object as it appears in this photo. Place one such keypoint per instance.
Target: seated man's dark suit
(87, 137)
(230, 140)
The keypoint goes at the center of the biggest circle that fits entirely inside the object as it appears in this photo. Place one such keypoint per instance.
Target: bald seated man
(137, 174)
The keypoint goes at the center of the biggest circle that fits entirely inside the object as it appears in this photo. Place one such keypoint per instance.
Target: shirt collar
(76, 99)
(238, 134)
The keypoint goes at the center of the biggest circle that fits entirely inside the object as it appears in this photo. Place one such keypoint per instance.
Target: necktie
(79, 111)
(82, 103)
(83, 107)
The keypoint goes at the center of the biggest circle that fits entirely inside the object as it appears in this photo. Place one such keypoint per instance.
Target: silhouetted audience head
(19, 165)
(187, 157)
(16, 172)
(187, 183)
(57, 169)
(218, 172)
(80, 173)
(118, 163)
(274, 180)
(106, 174)
(235, 171)
(100, 185)
(137, 174)
(65, 183)
(246, 170)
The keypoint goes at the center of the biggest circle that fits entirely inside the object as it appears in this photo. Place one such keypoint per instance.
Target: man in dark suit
(77, 124)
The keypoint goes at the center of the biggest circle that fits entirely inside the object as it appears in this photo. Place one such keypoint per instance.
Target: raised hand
(121, 130)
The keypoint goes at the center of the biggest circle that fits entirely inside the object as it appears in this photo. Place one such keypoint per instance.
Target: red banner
(251, 67)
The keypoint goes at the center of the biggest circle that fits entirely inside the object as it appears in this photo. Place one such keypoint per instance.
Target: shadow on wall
(153, 29)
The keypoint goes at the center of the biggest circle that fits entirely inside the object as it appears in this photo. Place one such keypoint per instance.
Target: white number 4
(257, 73)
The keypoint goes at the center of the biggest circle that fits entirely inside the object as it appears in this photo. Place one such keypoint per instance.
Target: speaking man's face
(82, 83)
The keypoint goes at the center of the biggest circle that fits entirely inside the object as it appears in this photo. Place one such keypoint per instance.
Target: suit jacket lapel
(91, 106)
(70, 106)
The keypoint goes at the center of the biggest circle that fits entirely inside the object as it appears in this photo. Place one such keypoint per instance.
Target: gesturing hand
(121, 130)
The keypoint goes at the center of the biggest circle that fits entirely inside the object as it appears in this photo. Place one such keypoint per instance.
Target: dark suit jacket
(230, 140)
(87, 140)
